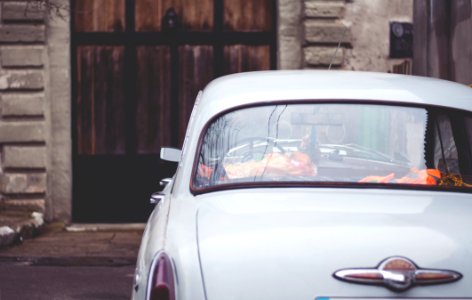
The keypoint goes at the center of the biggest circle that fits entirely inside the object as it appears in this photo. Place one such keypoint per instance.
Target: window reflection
(337, 143)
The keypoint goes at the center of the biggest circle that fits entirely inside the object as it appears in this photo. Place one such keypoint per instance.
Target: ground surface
(22, 281)
(62, 265)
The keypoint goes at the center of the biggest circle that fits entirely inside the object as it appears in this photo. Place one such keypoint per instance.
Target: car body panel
(283, 246)
(286, 243)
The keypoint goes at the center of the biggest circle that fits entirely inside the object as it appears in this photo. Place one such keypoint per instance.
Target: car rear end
(267, 244)
(328, 198)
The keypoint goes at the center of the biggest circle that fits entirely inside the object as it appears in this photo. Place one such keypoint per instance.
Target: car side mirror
(171, 154)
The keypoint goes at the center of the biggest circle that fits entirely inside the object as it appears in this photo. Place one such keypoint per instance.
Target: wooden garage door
(137, 67)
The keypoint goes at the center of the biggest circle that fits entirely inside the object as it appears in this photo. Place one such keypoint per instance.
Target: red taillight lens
(163, 279)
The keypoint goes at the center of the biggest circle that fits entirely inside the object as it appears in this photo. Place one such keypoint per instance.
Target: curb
(14, 234)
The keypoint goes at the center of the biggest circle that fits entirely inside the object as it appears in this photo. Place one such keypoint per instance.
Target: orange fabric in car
(273, 165)
(415, 176)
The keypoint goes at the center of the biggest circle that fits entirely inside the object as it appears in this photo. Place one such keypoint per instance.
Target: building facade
(45, 52)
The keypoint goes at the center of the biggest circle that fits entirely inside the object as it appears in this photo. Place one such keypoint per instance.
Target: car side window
(445, 149)
(468, 127)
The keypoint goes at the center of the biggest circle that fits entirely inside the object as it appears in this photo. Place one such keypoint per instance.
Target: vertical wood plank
(248, 15)
(153, 115)
(100, 101)
(195, 71)
(110, 104)
(194, 15)
(243, 58)
(99, 16)
(84, 100)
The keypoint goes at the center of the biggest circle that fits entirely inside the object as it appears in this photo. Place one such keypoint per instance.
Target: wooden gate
(137, 67)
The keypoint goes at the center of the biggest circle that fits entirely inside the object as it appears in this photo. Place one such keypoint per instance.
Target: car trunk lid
(288, 243)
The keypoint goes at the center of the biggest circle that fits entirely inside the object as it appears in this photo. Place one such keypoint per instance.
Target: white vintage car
(326, 185)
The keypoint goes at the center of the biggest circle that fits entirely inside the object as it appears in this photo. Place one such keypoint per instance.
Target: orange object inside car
(273, 165)
(415, 176)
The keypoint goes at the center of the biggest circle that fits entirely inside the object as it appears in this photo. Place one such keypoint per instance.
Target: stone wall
(23, 163)
(35, 100)
(34, 110)
(289, 34)
(324, 30)
(359, 27)
(369, 22)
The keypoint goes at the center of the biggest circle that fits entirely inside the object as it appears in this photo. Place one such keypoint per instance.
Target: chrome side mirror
(157, 197)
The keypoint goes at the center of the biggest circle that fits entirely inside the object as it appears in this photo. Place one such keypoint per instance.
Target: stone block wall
(23, 126)
(359, 27)
(324, 31)
(369, 23)
(289, 34)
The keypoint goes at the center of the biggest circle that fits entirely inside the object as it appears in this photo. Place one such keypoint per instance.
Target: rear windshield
(342, 144)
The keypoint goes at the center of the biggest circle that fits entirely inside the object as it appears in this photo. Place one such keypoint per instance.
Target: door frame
(61, 89)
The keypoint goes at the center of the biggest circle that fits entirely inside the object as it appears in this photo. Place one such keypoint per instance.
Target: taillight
(162, 283)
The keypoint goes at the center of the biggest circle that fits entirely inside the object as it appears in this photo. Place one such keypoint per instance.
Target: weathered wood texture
(248, 15)
(443, 43)
(153, 114)
(135, 94)
(99, 16)
(100, 102)
(241, 58)
(194, 15)
(195, 71)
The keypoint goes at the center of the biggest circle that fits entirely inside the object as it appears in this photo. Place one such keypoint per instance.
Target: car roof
(306, 85)
(252, 88)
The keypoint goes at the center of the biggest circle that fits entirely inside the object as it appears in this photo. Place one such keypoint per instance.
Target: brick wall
(23, 126)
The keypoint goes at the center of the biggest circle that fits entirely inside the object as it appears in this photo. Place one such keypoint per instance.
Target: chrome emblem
(398, 274)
